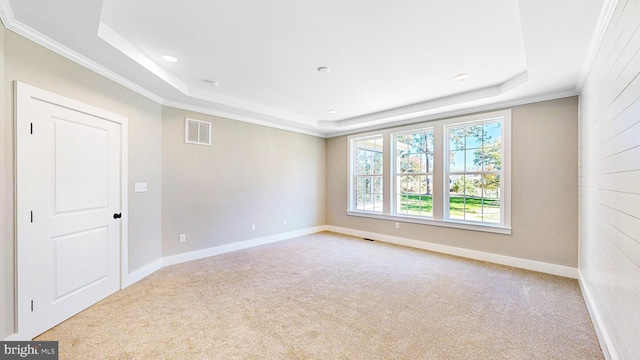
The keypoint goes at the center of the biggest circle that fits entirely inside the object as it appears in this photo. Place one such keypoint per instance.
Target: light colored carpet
(328, 296)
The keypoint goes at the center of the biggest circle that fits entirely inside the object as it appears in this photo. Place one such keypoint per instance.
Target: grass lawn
(423, 205)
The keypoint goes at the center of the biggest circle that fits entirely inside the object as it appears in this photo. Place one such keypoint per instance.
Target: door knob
(117, 216)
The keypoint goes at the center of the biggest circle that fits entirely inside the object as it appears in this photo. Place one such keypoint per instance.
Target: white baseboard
(553, 269)
(596, 318)
(149, 269)
(222, 249)
(533, 265)
(142, 273)
(156, 265)
(16, 337)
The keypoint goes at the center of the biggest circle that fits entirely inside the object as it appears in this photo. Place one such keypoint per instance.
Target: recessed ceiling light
(169, 58)
(331, 111)
(211, 82)
(461, 77)
(323, 69)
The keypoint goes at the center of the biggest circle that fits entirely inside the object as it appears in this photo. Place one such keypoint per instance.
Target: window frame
(395, 173)
(440, 173)
(353, 183)
(448, 173)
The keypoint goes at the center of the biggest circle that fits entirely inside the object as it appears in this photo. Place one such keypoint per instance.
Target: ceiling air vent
(197, 132)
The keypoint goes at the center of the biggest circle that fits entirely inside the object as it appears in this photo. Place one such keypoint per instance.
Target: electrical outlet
(397, 225)
(253, 226)
(284, 222)
(183, 238)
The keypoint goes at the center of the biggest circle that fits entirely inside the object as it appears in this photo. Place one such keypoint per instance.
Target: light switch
(140, 187)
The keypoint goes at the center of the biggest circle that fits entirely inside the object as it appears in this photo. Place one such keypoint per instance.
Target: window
(474, 172)
(453, 173)
(414, 172)
(367, 175)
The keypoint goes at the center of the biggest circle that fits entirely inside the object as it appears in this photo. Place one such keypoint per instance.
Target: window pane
(456, 185)
(473, 137)
(429, 185)
(473, 160)
(491, 198)
(402, 144)
(377, 202)
(456, 139)
(425, 198)
(377, 163)
(362, 192)
(405, 164)
(492, 132)
(491, 186)
(378, 144)
(367, 170)
(491, 210)
(456, 197)
(456, 160)
(473, 208)
(414, 195)
(414, 163)
(473, 185)
(377, 185)
(492, 159)
(475, 198)
(414, 152)
(360, 161)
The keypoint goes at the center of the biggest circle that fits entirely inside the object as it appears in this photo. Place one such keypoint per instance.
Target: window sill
(498, 229)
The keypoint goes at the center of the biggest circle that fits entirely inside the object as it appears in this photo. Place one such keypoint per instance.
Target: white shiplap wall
(610, 183)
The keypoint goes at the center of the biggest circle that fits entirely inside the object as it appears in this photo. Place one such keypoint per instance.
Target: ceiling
(390, 62)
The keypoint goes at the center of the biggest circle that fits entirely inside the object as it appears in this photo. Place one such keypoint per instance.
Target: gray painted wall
(249, 175)
(6, 206)
(30, 63)
(544, 181)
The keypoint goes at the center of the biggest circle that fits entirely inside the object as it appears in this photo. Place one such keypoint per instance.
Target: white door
(69, 197)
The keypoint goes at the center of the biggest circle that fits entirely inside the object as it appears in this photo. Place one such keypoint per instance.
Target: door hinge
(31, 216)
(31, 305)
(31, 128)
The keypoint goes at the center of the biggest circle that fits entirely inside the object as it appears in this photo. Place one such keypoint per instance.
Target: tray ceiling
(388, 62)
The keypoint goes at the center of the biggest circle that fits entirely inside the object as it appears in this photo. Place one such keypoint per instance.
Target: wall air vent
(197, 132)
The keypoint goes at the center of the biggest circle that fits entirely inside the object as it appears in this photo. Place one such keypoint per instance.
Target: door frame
(24, 94)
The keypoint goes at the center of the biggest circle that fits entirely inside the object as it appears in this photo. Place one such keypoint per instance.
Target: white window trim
(505, 150)
(394, 173)
(440, 173)
(352, 183)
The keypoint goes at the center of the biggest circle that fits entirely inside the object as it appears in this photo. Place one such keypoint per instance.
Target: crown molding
(247, 119)
(602, 25)
(459, 112)
(114, 39)
(12, 24)
(384, 117)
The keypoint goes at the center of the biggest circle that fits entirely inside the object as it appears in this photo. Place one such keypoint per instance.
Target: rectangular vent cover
(197, 132)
